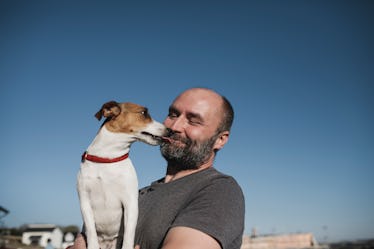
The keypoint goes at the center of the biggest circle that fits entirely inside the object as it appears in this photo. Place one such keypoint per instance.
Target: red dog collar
(97, 159)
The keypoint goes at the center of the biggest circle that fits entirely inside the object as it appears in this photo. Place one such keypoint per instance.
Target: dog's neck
(109, 144)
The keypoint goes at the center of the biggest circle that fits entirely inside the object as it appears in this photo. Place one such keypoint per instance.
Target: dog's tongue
(166, 139)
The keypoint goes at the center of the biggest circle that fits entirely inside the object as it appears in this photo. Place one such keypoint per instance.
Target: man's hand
(80, 243)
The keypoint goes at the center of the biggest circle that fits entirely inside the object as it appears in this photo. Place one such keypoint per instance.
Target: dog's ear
(110, 109)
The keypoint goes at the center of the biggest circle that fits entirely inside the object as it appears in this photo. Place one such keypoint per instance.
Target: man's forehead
(203, 108)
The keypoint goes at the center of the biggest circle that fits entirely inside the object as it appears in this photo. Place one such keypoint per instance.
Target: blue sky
(298, 73)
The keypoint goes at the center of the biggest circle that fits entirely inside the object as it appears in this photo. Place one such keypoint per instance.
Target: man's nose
(176, 124)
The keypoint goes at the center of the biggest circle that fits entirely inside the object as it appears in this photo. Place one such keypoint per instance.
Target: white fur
(108, 192)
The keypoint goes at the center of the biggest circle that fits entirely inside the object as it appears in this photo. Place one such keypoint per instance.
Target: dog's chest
(103, 182)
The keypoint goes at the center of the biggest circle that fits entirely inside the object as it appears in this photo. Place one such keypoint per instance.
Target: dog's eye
(145, 113)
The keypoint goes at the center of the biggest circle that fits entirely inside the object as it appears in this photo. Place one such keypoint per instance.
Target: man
(194, 206)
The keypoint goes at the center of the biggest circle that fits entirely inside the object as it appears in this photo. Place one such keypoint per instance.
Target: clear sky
(299, 74)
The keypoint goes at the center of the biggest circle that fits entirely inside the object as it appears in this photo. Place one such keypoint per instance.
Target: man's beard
(187, 157)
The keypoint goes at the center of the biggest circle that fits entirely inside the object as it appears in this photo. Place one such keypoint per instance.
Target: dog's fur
(108, 192)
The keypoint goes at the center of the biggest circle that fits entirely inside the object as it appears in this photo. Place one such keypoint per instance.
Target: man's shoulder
(214, 173)
(217, 181)
(222, 177)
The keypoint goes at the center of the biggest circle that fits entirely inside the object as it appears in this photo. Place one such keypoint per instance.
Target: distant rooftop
(281, 241)
(40, 227)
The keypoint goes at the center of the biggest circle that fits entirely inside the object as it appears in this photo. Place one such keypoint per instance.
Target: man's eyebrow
(189, 115)
(172, 109)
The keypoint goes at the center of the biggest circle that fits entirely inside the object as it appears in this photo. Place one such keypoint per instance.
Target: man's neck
(173, 173)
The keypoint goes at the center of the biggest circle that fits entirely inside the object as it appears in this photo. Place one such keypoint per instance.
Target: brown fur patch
(108, 110)
(131, 119)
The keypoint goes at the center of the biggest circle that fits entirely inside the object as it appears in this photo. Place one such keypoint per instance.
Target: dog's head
(133, 120)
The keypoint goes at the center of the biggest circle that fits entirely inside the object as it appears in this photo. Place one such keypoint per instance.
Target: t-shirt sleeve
(217, 210)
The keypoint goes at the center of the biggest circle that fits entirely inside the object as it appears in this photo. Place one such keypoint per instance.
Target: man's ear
(221, 140)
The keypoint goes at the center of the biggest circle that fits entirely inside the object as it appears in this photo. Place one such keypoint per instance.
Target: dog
(107, 183)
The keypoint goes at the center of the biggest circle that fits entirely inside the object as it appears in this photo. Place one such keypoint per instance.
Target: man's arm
(176, 238)
(189, 238)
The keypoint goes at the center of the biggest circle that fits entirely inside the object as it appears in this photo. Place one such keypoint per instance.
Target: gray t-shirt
(208, 201)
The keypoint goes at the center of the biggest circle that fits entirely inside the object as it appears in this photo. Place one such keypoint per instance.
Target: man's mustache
(177, 137)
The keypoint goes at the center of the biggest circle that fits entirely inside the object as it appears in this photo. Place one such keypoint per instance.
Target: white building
(38, 234)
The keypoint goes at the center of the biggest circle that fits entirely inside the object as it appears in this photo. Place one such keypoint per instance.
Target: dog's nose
(169, 132)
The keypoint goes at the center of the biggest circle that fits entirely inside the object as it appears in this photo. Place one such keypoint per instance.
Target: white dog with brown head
(107, 181)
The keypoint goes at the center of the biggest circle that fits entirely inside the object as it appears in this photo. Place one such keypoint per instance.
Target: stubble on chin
(185, 154)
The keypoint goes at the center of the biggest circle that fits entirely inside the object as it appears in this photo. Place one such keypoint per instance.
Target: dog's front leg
(89, 221)
(130, 221)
